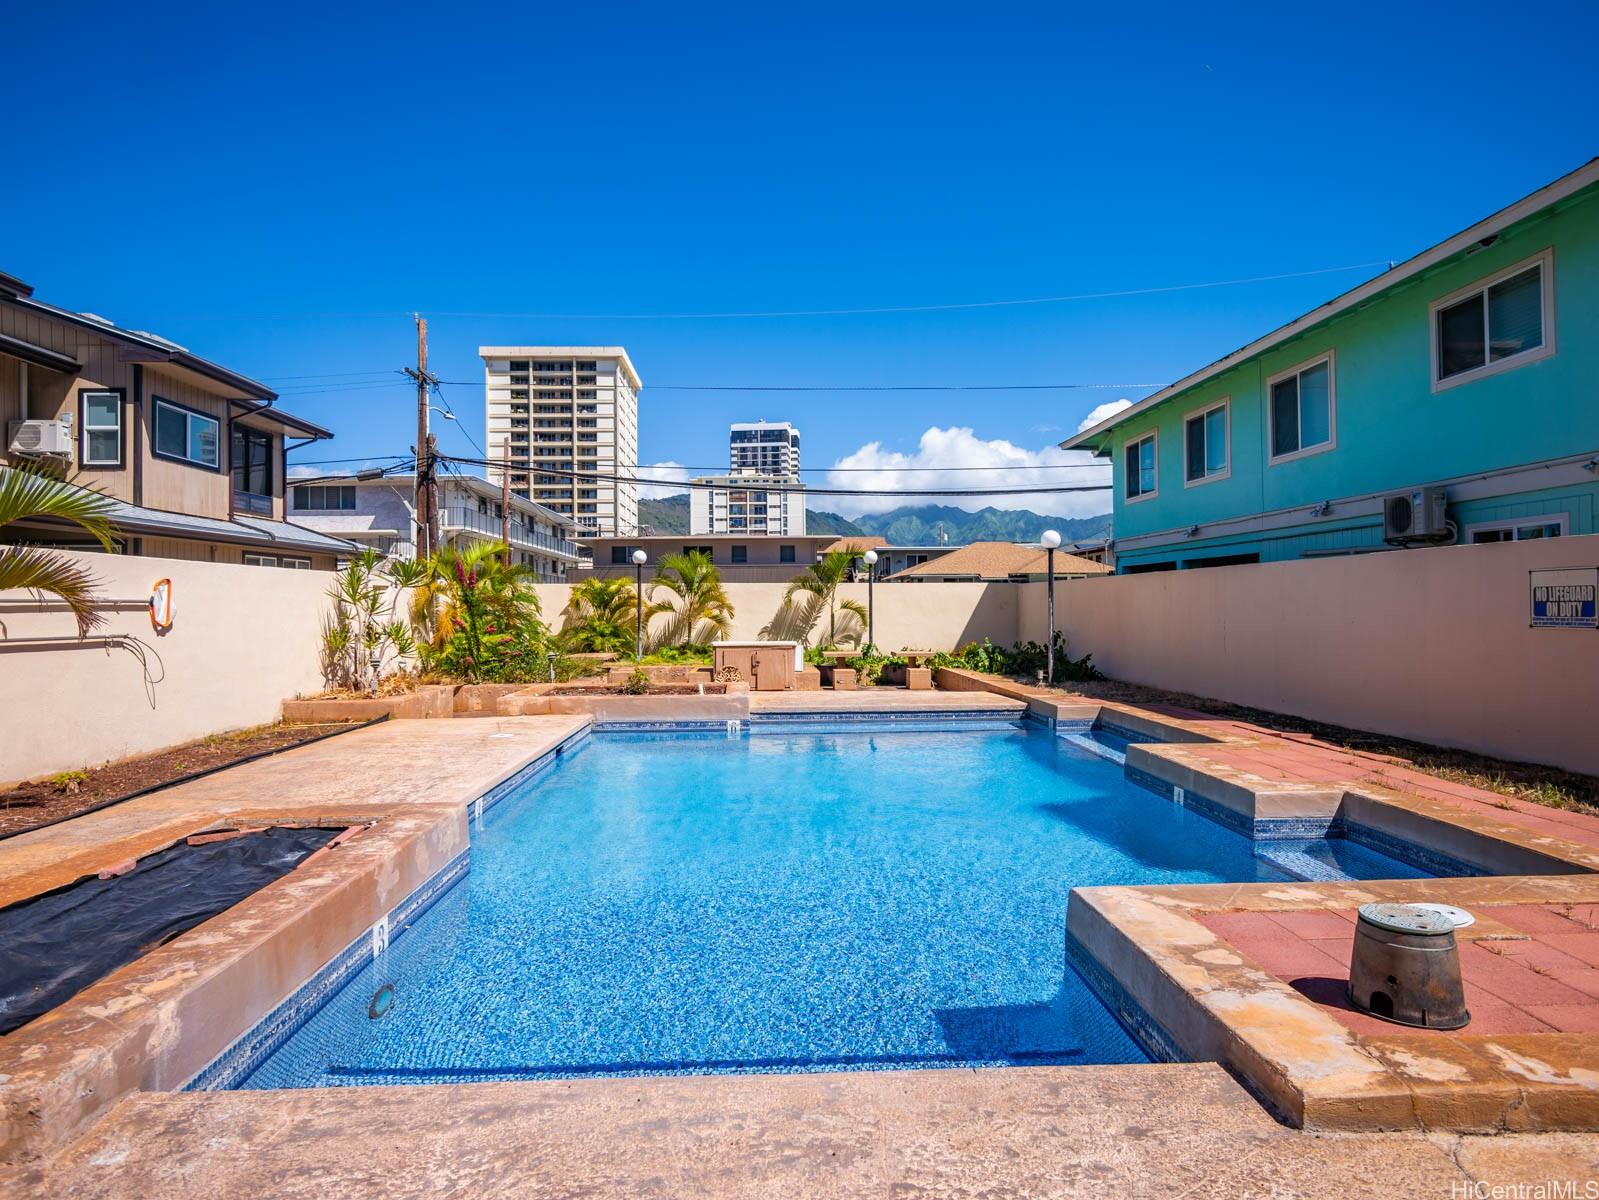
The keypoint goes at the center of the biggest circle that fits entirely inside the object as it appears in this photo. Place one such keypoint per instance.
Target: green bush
(1024, 660)
(637, 683)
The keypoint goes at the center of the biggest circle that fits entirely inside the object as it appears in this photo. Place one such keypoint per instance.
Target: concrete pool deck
(1168, 1131)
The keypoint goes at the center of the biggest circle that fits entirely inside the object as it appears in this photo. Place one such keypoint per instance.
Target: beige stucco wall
(918, 616)
(1427, 644)
(244, 639)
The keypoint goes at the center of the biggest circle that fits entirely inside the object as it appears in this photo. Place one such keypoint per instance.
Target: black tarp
(55, 945)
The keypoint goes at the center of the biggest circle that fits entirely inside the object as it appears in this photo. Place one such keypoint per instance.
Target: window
(622, 554)
(1140, 466)
(1207, 445)
(297, 564)
(186, 435)
(260, 560)
(705, 550)
(785, 554)
(102, 429)
(1521, 529)
(741, 554)
(1493, 325)
(252, 461)
(1302, 409)
(309, 496)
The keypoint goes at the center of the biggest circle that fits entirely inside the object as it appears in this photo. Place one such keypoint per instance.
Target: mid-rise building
(381, 513)
(769, 447)
(565, 418)
(747, 502)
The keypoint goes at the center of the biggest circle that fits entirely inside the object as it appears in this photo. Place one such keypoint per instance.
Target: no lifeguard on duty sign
(1565, 599)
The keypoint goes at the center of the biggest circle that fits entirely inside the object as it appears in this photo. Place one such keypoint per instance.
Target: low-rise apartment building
(997, 562)
(381, 513)
(1449, 399)
(191, 454)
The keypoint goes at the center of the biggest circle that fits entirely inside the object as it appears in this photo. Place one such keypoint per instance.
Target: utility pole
(505, 496)
(427, 491)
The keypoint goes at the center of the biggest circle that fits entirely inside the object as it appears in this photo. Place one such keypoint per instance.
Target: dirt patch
(1525, 781)
(43, 800)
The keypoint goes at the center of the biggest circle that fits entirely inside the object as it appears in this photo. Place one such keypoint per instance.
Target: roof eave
(1567, 185)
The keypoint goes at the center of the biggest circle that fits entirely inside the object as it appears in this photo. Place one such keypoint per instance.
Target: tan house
(998, 562)
(191, 452)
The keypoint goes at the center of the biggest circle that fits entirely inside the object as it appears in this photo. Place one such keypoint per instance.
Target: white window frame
(1150, 435)
(189, 415)
(1330, 357)
(295, 562)
(1545, 261)
(252, 559)
(86, 429)
(1563, 520)
(1226, 403)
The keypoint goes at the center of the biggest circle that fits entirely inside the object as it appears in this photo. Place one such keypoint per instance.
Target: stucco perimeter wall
(1433, 644)
(916, 616)
(244, 639)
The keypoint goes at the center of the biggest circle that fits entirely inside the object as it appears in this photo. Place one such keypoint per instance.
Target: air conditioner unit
(43, 439)
(1415, 516)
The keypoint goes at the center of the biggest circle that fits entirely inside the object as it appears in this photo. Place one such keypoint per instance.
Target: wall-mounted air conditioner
(1418, 515)
(40, 439)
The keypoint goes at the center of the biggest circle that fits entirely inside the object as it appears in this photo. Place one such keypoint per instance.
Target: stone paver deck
(1527, 968)
(1157, 1131)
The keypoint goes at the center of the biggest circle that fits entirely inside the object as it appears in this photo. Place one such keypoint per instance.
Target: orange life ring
(161, 605)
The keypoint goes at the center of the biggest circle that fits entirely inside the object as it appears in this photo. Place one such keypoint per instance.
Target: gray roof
(259, 531)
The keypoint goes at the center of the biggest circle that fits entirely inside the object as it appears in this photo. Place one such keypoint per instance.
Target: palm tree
(600, 616)
(699, 608)
(475, 584)
(27, 493)
(818, 584)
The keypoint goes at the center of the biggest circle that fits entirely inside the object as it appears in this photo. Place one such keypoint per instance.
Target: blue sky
(275, 188)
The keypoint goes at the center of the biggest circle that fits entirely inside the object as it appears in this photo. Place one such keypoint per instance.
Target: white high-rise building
(743, 502)
(561, 411)
(762, 456)
(771, 447)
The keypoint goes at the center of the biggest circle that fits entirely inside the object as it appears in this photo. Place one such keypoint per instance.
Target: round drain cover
(1459, 916)
(1406, 918)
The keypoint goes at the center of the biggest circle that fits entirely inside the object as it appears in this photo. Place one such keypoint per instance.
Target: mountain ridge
(908, 525)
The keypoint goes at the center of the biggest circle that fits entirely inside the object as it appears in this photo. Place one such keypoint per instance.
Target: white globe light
(1051, 539)
(640, 558)
(871, 558)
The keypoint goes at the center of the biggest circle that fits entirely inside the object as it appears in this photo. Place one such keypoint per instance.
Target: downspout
(138, 434)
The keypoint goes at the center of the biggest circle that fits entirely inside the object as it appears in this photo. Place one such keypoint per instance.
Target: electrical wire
(691, 485)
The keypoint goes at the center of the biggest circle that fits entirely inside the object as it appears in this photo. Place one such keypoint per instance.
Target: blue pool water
(785, 900)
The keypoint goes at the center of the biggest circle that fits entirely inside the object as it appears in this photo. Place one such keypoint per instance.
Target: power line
(690, 485)
(858, 387)
(809, 312)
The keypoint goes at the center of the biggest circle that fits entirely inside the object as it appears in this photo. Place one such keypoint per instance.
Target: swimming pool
(783, 900)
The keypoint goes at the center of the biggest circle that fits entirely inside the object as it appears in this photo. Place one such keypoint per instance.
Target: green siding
(1391, 430)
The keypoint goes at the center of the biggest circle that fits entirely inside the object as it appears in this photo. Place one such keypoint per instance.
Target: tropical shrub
(362, 640)
(483, 616)
(692, 653)
(27, 492)
(871, 663)
(696, 604)
(600, 617)
(637, 683)
(1023, 660)
(812, 595)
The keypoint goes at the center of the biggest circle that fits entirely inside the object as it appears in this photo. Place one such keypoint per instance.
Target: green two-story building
(1454, 398)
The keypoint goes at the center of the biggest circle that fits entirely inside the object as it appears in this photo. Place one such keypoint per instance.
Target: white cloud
(1108, 409)
(872, 467)
(669, 473)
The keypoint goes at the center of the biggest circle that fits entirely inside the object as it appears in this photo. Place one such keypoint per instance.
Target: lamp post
(871, 574)
(1050, 541)
(639, 559)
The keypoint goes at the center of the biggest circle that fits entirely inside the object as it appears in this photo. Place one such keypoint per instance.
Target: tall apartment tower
(761, 494)
(561, 410)
(771, 448)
